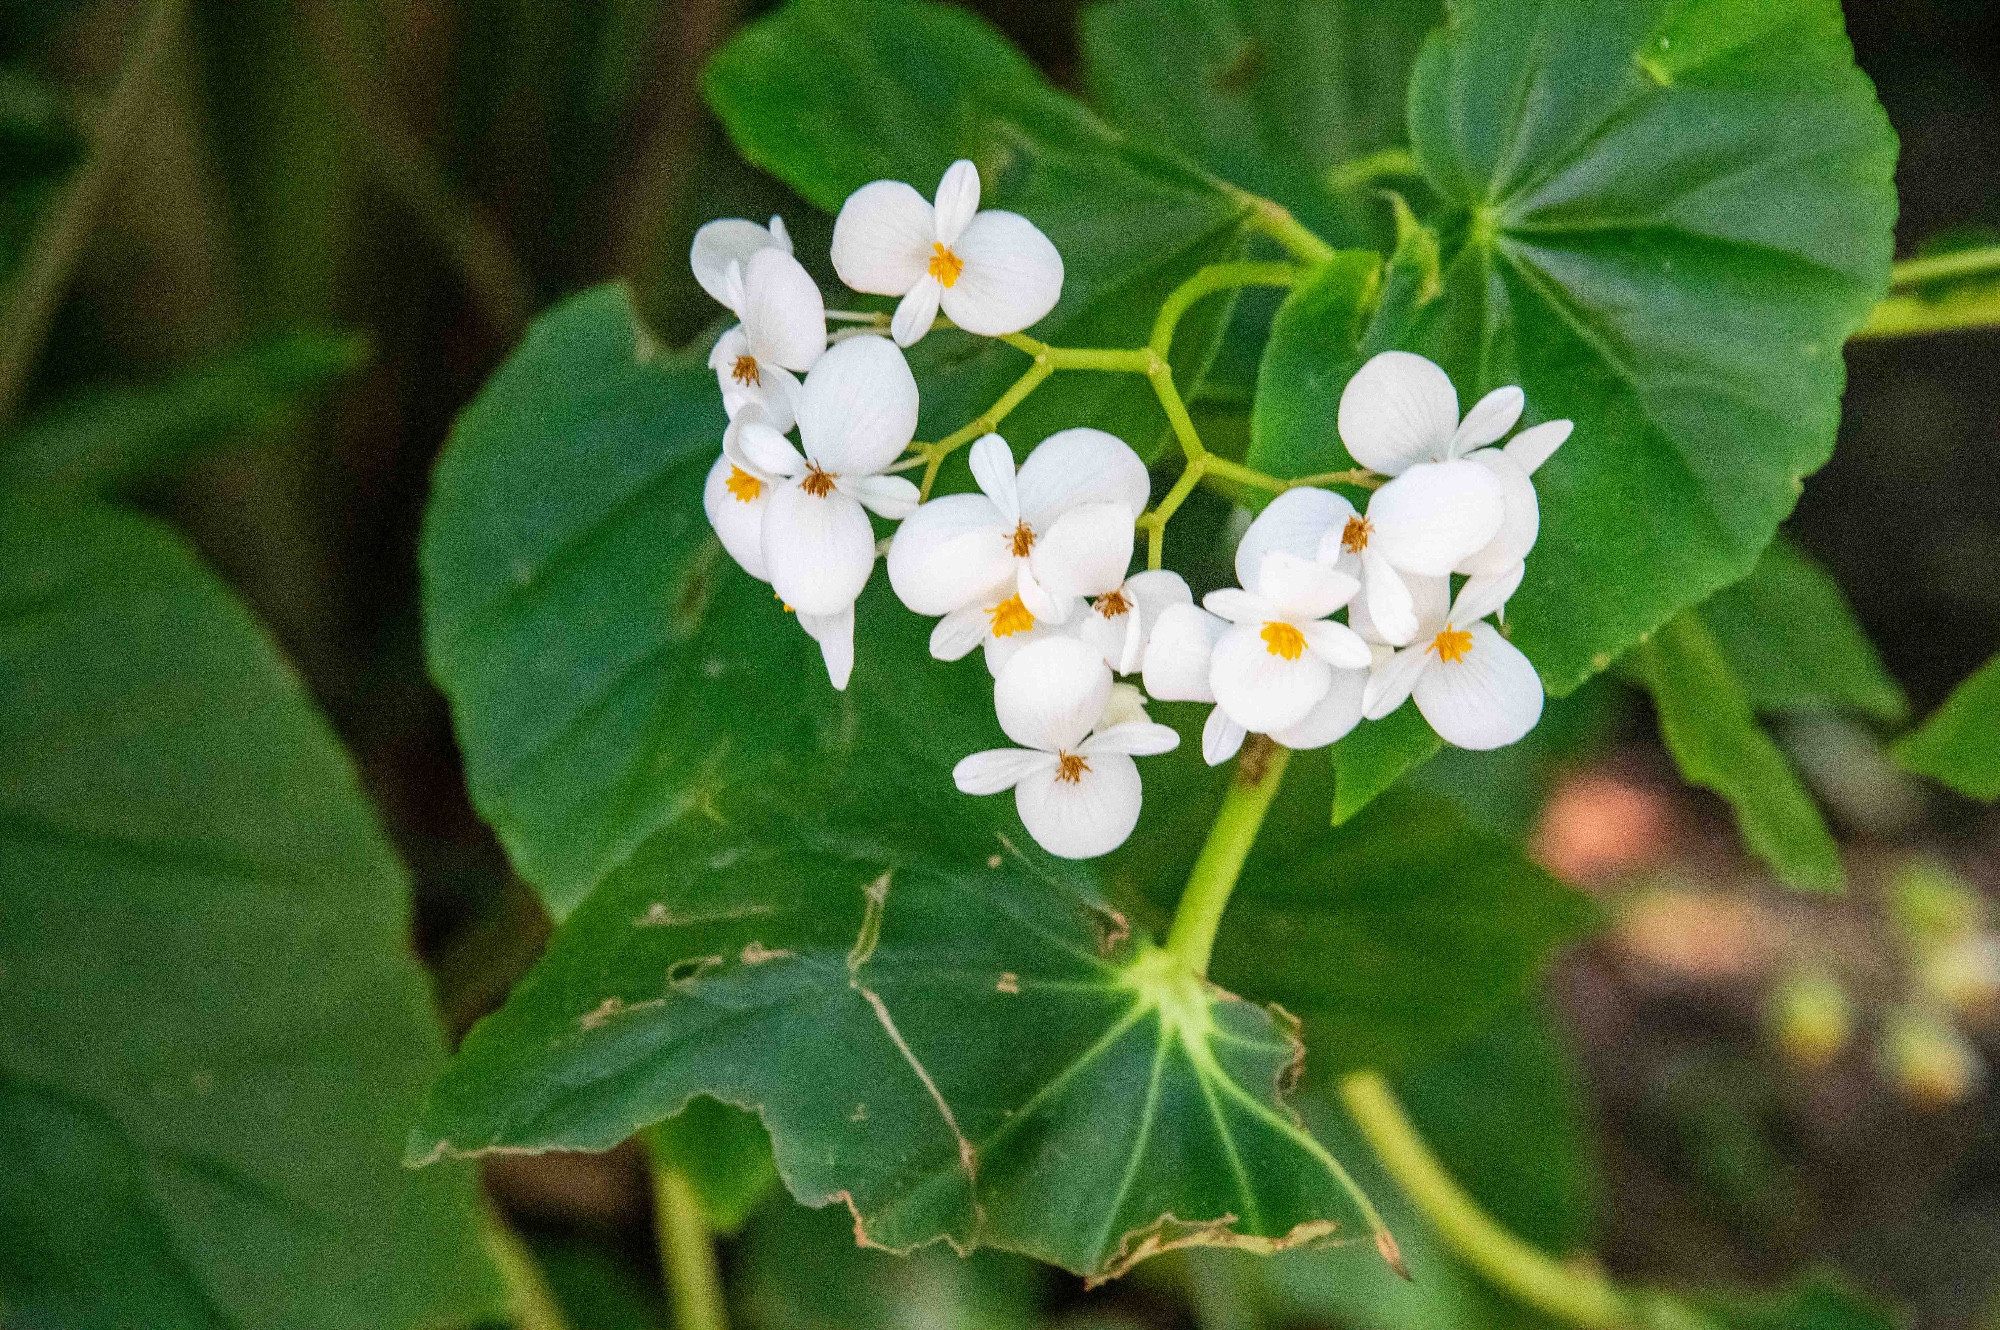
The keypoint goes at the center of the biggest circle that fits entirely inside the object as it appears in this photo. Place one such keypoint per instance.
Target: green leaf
(1960, 743)
(112, 438)
(774, 895)
(212, 1034)
(1373, 757)
(724, 1153)
(1311, 353)
(1661, 219)
(1437, 924)
(1791, 640)
(1272, 95)
(1709, 728)
(831, 94)
(1818, 1301)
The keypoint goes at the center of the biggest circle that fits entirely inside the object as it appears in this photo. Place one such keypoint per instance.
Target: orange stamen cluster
(745, 372)
(1022, 541)
(1010, 616)
(1354, 536)
(1071, 767)
(1452, 644)
(1283, 639)
(742, 486)
(945, 265)
(1111, 604)
(817, 483)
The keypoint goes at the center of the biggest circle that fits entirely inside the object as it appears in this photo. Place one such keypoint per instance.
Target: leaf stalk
(687, 1252)
(1260, 769)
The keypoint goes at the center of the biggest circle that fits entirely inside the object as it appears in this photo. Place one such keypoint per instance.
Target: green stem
(1904, 314)
(1387, 164)
(1191, 939)
(1207, 281)
(36, 293)
(1575, 1294)
(1979, 262)
(1276, 222)
(687, 1252)
(531, 1304)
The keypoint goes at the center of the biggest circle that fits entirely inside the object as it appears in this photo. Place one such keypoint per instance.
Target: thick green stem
(687, 1252)
(1208, 281)
(531, 1304)
(1258, 771)
(1278, 223)
(1576, 1294)
(36, 293)
(1983, 261)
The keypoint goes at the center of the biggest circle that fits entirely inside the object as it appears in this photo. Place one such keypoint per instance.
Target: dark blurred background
(428, 173)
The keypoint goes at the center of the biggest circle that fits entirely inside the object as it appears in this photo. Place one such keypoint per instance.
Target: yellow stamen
(1071, 767)
(742, 486)
(1010, 616)
(1282, 639)
(945, 265)
(817, 483)
(781, 600)
(1354, 536)
(744, 371)
(1023, 540)
(1452, 645)
(1111, 604)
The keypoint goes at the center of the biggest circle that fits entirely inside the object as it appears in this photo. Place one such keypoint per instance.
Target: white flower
(857, 412)
(1075, 784)
(1179, 654)
(993, 272)
(1513, 465)
(1120, 621)
(1472, 685)
(781, 319)
(1277, 660)
(1029, 546)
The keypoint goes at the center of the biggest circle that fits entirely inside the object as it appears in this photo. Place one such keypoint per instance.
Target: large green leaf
(1661, 219)
(1713, 735)
(774, 895)
(1273, 95)
(212, 1035)
(1960, 743)
(831, 94)
(1790, 638)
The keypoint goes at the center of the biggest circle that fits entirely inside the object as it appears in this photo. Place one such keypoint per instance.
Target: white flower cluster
(1033, 566)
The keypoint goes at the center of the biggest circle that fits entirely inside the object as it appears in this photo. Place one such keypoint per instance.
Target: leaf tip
(1385, 1242)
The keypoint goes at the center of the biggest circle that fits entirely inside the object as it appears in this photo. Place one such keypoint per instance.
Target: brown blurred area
(432, 171)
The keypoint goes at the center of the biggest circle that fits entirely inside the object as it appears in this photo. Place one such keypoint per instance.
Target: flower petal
(1073, 467)
(992, 463)
(1238, 606)
(949, 552)
(818, 550)
(957, 200)
(1386, 612)
(1154, 590)
(916, 312)
(1127, 706)
(999, 769)
(1520, 520)
(1012, 277)
(1337, 644)
(959, 631)
(1536, 444)
(1390, 681)
(738, 523)
(1110, 634)
(858, 409)
(1486, 594)
(1135, 738)
(1398, 409)
(1432, 516)
(1260, 690)
(1221, 737)
(1487, 698)
(1000, 650)
(1298, 522)
(882, 238)
(776, 394)
(1085, 552)
(722, 242)
(782, 311)
(1333, 718)
(754, 445)
(1303, 589)
(1051, 693)
(1490, 418)
(893, 497)
(835, 635)
(1086, 817)
(1178, 652)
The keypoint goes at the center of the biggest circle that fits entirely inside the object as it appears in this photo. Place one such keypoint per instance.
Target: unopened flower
(1179, 654)
(857, 412)
(781, 328)
(1075, 785)
(992, 272)
(1278, 658)
(1029, 546)
(1472, 685)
